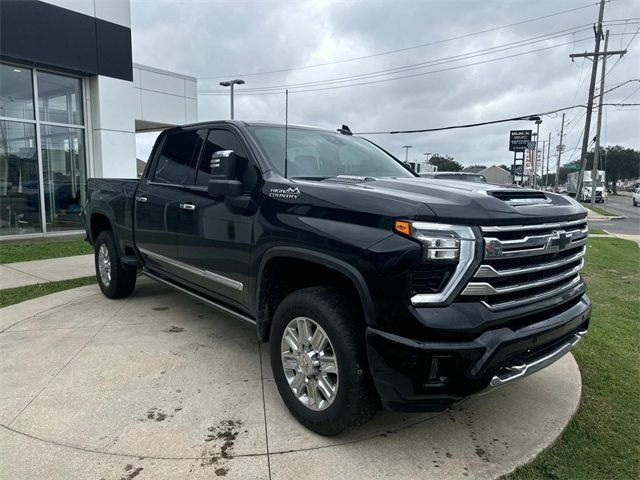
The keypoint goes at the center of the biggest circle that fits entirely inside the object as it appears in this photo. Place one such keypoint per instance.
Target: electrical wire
(412, 47)
(409, 76)
(416, 66)
(490, 122)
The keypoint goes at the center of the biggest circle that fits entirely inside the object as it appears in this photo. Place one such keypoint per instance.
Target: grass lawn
(599, 210)
(603, 439)
(597, 231)
(22, 252)
(9, 296)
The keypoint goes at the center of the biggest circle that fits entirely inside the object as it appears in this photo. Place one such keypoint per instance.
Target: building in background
(71, 102)
(497, 175)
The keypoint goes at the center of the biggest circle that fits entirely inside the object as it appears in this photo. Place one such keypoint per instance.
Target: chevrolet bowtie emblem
(558, 241)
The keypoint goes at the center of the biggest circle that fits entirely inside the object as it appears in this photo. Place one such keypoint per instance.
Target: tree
(445, 164)
(620, 163)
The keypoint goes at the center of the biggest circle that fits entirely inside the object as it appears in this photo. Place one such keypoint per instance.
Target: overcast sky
(219, 38)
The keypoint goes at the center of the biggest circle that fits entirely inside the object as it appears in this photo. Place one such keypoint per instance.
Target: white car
(636, 197)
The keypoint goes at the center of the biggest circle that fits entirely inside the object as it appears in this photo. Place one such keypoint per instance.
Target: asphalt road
(621, 205)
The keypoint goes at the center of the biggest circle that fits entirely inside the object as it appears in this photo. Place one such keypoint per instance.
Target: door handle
(142, 199)
(188, 206)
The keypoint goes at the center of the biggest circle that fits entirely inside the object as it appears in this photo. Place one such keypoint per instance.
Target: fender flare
(325, 260)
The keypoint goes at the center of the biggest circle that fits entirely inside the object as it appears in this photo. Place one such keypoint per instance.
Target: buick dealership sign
(518, 140)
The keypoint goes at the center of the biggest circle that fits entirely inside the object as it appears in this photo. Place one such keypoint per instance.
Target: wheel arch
(268, 297)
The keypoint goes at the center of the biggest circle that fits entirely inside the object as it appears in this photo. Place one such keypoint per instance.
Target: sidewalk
(19, 274)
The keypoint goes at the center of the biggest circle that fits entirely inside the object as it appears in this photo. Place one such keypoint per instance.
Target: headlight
(441, 243)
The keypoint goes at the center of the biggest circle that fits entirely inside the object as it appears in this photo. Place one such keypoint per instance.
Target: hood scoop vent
(519, 198)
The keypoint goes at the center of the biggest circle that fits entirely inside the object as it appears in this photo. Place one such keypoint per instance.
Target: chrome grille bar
(573, 283)
(484, 289)
(488, 271)
(539, 226)
(533, 244)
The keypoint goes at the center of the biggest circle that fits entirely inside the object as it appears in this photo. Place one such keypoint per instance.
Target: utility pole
(546, 178)
(592, 85)
(535, 153)
(544, 144)
(406, 152)
(596, 154)
(560, 145)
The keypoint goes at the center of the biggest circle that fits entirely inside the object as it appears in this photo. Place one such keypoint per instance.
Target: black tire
(122, 282)
(355, 401)
(635, 204)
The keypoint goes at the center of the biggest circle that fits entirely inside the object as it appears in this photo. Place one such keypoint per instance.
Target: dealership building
(71, 103)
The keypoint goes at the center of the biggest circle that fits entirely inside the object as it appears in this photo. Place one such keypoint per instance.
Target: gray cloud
(219, 37)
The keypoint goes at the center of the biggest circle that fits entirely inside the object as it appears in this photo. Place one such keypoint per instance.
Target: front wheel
(635, 204)
(113, 279)
(319, 361)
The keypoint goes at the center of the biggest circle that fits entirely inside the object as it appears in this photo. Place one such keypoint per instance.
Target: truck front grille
(527, 263)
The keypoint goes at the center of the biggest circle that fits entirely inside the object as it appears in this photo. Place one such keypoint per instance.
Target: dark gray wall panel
(46, 35)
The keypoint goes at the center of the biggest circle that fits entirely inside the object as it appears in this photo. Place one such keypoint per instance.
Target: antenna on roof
(286, 128)
(345, 130)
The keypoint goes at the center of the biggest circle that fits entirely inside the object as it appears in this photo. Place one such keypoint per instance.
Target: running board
(211, 303)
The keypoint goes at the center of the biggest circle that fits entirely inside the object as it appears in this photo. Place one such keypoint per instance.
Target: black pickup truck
(371, 284)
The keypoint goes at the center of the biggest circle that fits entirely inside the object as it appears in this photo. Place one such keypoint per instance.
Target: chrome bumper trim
(522, 370)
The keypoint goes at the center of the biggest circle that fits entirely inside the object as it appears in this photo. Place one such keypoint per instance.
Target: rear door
(157, 202)
(214, 241)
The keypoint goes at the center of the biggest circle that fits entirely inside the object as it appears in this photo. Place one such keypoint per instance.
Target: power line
(300, 88)
(620, 58)
(439, 61)
(415, 74)
(413, 47)
(490, 122)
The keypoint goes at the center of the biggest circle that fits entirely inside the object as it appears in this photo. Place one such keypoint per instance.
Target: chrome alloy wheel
(104, 265)
(309, 363)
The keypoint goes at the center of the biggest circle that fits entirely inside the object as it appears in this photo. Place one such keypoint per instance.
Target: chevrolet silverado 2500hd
(371, 284)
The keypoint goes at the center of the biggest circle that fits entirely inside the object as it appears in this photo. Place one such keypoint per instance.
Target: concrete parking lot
(160, 386)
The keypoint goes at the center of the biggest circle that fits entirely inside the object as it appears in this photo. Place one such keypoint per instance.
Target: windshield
(316, 154)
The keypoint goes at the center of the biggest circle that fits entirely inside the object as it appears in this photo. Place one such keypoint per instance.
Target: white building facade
(71, 102)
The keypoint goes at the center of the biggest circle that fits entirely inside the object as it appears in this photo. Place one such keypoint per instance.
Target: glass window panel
(16, 92)
(65, 176)
(59, 98)
(174, 164)
(19, 192)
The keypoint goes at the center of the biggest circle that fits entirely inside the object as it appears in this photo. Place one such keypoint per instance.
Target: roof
(254, 123)
(494, 167)
(474, 169)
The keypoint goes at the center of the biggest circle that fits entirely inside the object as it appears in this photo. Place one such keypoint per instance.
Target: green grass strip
(23, 252)
(11, 296)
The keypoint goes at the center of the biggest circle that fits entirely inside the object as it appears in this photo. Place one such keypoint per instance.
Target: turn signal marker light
(402, 227)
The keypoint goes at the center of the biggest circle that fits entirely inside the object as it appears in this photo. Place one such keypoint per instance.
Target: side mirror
(223, 175)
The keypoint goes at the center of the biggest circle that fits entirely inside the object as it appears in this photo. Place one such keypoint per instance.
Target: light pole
(231, 83)
(406, 152)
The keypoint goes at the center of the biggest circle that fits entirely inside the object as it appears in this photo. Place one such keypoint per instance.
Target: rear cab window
(175, 164)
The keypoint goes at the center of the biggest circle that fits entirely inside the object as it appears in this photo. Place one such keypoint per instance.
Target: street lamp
(406, 152)
(538, 120)
(231, 83)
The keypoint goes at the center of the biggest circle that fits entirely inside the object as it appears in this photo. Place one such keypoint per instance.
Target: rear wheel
(113, 279)
(635, 204)
(319, 361)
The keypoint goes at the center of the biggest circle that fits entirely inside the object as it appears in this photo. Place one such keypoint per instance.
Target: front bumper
(413, 375)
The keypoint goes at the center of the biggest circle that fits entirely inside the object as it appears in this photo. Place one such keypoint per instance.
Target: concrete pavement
(20, 274)
(620, 205)
(160, 386)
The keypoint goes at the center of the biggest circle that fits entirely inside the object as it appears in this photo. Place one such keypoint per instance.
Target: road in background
(620, 205)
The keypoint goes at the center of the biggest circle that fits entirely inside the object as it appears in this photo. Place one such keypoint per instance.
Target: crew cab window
(174, 165)
(218, 140)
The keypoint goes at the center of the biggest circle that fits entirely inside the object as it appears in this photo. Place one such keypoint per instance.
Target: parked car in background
(636, 197)
(465, 176)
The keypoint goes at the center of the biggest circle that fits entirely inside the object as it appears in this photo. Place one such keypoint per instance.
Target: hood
(426, 199)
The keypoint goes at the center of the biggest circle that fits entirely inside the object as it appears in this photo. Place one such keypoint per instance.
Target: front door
(215, 241)
(157, 202)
